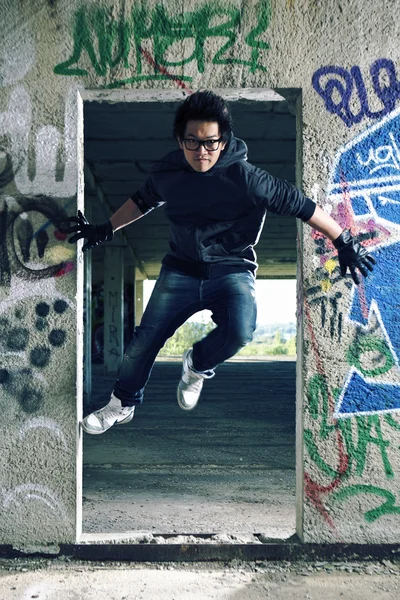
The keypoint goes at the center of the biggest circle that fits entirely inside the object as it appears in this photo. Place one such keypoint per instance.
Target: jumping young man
(216, 203)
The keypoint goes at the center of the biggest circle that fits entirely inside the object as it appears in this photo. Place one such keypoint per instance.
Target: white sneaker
(191, 383)
(104, 418)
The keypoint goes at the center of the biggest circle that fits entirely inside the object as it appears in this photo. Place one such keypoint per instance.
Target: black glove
(352, 255)
(95, 234)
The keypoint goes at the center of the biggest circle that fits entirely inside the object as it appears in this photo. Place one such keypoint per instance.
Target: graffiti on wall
(26, 249)
(103, 43)
(25, 353)
(364, 193)
(53, 170)
(344, 91)
(370, 169)
(98, 319)
(31, 250)
(355, 441)
(38, 168)
(33, 336)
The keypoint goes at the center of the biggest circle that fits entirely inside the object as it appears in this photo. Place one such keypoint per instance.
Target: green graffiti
(369, 343)
(317, 393)
(390, 420)
(110, 43)
(318, 397)
(358, 453)
(387, 508)
(316, 457)
(318, 406)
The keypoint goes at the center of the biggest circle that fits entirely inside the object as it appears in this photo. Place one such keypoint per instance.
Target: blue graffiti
(365, 396)
(367, 171)
(380, 295)
(342, 90)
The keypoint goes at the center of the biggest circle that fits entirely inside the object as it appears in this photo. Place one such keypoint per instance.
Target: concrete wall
(344, 58)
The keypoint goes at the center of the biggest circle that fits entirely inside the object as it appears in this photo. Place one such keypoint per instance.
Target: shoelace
(195, 385)
(192, 378)
(110, 413)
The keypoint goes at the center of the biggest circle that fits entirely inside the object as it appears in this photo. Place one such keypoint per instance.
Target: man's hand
(95, 234)
(352, 255)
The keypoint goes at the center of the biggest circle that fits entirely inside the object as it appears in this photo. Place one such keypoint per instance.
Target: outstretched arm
(98, 234)
(285, 199)
(324, 223)
(125, 215)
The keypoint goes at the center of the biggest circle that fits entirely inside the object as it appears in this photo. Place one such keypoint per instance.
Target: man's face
(201, 159)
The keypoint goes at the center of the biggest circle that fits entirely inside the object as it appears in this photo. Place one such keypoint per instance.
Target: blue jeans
(175, 298)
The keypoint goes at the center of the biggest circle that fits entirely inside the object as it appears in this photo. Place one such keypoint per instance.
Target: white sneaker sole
(91, 432)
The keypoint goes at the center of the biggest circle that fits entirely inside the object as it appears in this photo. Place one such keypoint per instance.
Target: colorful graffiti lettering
(110, 43)
(341, 90)
(369, 343)
(357, 452)
(364, 425)
(387, 508)
(353, 448)
(367, 169)
(313, 490)
(364, 195)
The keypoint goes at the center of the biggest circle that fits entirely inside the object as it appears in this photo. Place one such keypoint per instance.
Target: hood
(235, 151)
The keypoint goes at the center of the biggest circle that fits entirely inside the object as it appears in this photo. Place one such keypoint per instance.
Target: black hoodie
(216, 217)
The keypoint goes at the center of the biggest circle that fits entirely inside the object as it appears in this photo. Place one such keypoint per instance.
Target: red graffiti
(60, 236)
(363, 301)
(65, 269)
(313, 490)
(345, 216)
(345, 213)
(376, 234)
(164, 71)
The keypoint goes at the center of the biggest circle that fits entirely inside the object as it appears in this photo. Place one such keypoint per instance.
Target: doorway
(227, 468)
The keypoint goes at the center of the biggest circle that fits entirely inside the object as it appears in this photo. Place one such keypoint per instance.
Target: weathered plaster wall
(38, 188)
(344, 58)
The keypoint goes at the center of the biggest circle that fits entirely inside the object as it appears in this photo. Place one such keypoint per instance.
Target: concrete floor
(45, 579)
(226, 467)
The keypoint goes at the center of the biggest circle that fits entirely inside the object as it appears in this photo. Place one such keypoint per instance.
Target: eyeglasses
(210, 145)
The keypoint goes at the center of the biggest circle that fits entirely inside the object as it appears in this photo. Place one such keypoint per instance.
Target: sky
(276, 301)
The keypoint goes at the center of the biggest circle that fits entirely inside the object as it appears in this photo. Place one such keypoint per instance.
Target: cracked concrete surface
(23, 579)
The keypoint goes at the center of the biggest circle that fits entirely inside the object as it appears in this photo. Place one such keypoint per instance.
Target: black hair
(203, 105)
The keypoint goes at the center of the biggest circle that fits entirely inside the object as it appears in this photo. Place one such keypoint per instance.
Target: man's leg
(174, 299)
(232, 301)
